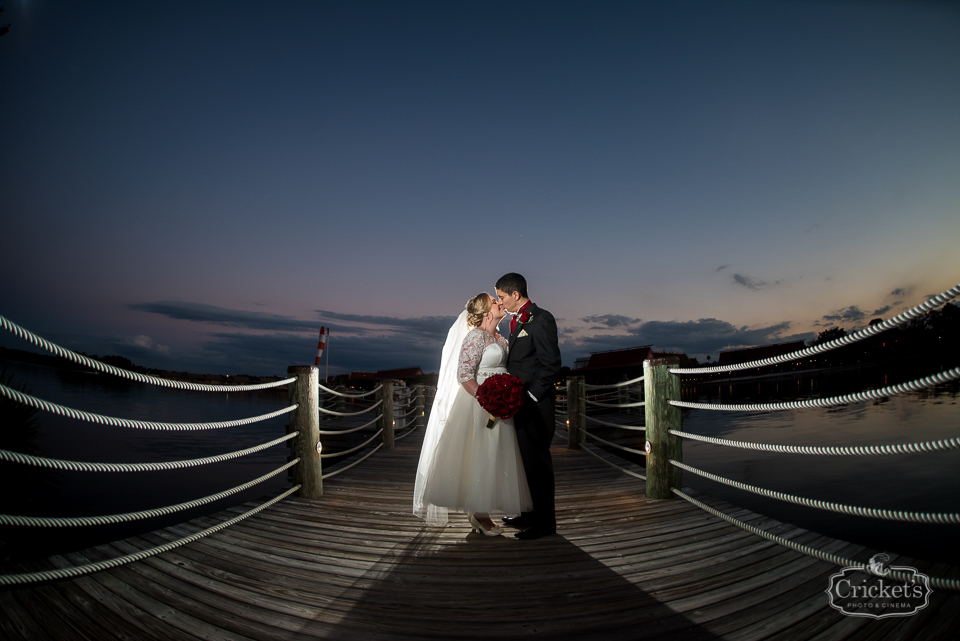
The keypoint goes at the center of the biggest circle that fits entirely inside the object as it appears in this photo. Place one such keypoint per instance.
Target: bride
(464, 465)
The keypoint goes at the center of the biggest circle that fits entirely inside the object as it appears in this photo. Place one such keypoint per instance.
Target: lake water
(914, 482)
(924, 482)
(94, 493)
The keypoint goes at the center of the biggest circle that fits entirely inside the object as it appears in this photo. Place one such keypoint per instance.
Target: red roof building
(403, 373)
(615, 365)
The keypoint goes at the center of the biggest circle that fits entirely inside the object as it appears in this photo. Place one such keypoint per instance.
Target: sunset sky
(200, 186)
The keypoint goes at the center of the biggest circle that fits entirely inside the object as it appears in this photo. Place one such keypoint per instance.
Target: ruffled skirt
(476, 468)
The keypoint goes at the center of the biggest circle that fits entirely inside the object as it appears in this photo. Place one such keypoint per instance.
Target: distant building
(361, 376)
(617, 365)
(410, 375)
(402, 374)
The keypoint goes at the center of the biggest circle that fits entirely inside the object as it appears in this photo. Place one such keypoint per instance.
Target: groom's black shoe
(522, 521)
(535, 532)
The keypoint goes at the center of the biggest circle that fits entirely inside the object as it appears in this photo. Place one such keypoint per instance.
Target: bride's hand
(471, 387)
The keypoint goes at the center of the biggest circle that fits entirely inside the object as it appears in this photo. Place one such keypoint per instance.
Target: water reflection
(85, 494)
(923, 482)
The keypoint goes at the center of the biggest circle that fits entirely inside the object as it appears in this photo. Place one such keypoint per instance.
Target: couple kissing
(473, 461)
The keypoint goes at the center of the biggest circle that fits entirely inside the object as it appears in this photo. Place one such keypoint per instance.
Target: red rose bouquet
(501, 395)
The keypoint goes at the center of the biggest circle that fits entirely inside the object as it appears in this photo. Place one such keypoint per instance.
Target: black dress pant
(534, 437)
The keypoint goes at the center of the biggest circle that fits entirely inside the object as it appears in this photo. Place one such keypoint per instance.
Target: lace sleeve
(470, 355)
(503, 343)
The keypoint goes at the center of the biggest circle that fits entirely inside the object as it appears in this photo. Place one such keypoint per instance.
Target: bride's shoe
(496, 531)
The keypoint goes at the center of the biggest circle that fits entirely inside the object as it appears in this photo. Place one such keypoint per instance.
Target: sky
(201, 186)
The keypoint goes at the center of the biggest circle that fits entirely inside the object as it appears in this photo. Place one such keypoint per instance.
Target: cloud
(147, 343)
(851, 314)
(272, 342)
(748, 282)
(428, 326)
(900, 292)
(883, 310)
(353, 324)
(273, 353)
(722, 267)
(695, 338)
(610, 321)
(202, 313)
(707, 335)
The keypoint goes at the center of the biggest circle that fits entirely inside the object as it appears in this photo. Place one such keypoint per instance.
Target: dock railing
(663, 428)
(399, 407)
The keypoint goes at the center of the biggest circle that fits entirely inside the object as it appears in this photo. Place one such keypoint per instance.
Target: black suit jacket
(534, 357)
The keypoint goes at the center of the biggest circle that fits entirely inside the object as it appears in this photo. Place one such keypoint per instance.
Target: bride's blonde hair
(477, 307)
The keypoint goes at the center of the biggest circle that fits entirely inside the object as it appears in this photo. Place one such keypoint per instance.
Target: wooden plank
(49, 619)
(357, 563)
(175, 623)
(18, 622)
(117, 615)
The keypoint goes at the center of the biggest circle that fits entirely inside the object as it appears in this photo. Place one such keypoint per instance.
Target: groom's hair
(513, 282)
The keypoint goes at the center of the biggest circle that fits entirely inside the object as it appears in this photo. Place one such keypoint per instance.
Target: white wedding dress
(474, 468)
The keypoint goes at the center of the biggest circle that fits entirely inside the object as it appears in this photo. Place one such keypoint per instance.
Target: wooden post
(421, 390)
(306, 420)
(576, 407)
(386, 408)
(660, 386)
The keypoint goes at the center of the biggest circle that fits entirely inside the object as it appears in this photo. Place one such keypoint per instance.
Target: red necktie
(513, 323)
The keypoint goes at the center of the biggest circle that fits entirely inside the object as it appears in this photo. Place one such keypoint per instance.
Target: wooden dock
(356, 564)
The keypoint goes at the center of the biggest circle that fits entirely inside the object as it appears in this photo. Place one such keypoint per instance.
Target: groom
(534, 357)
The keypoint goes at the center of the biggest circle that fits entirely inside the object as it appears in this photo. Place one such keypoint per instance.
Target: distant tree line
(931, 341)
(935, 336)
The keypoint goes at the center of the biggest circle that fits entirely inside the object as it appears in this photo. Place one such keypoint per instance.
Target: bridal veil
(447, 387)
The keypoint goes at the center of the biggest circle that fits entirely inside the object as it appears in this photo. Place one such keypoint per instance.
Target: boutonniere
(525, 317)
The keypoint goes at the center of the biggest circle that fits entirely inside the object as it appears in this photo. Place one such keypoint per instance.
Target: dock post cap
(302, 369)
(654, 362)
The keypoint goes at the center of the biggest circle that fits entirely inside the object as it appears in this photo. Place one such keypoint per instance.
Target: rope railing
(412, 410)
(604, 398)
(949, 584)
(79, 466)
(613, 465)
(363, 411)
(615, 405)
(41, 521)
(26, 399)
(858, 397)
(856, 450)
(351, 430)
(616, 445)
(64, 573)
(933, 302)
(664, 433)
(406, 434)
(602, 391)
(346, 395)
(638, 428)
(353, 449)
(116, 371)
(355, 463)
(614, 385)
(890, 515)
